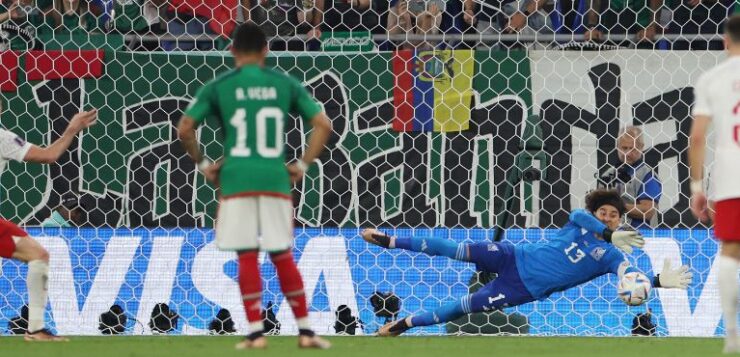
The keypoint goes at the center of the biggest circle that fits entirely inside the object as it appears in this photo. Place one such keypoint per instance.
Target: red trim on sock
(291, 282)
(250, 283)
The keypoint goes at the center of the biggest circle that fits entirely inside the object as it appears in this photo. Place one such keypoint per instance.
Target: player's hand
(314, 33)
(625, 240)
(516, 22)
(699, 206)
(678, 278)
(648, 33)
(296, 171)
(82, 121)
(469, 17)
(593, 35)
(212, 173)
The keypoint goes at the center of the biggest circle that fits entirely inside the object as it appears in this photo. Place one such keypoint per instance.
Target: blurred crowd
(300, 24)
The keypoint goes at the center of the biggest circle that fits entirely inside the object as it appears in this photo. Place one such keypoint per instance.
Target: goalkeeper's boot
(374, 236)
(394, 328)
(257, 342)
(308, 339)
(44, 335)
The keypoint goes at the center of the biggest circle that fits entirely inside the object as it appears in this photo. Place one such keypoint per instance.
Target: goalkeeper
(584, 249)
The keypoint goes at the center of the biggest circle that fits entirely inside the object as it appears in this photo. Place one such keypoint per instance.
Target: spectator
(187, 24)
(342, 15)
(39, 16)
(137, 16)
(635, 180)
(695, 17)
(68, 214)
(78, 16)
(10, 11)
(416, 17)
(525, 17)
(283, 19)
(633, 17)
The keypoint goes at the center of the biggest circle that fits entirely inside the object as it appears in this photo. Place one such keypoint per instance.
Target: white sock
(38, 275)
(256, 326)
(728, 292)
(303, 323)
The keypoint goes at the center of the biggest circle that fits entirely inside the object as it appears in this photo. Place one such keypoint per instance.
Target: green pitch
(165, 346)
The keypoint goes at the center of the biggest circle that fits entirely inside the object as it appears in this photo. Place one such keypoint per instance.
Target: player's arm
(697, 151)
(186, 133)
(623, 240)
(51, 153)
(196, 113)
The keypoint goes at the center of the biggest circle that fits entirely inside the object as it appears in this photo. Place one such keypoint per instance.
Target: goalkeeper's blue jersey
(574, 257)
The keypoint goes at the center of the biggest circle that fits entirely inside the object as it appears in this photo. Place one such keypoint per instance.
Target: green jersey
(253, 104)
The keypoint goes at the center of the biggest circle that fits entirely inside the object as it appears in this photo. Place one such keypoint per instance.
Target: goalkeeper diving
(586, 248)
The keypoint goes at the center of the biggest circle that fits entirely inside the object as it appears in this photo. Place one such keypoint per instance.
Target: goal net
(500, 139)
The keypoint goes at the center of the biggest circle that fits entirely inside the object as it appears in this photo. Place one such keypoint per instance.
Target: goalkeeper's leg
(431, 246)
(491, 257)
(506, 291)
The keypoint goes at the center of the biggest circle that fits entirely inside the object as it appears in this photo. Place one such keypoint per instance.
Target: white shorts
(242, 221)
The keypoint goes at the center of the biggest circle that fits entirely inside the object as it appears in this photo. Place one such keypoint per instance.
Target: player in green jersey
(252, 104)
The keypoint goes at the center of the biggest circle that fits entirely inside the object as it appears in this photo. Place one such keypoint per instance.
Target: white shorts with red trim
(255, 222)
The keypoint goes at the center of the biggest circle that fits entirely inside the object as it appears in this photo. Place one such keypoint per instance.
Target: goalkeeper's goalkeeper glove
(678, 278)
(624, 240)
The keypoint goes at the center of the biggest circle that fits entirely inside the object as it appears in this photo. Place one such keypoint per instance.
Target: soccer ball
(634, 288)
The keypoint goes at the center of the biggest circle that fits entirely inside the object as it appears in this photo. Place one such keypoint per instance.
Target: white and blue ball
(634, 288)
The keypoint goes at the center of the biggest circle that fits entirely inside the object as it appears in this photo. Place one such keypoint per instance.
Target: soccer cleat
(44, 335)
(259, 343)
(393, 328)
(313, 342)
(374, 236)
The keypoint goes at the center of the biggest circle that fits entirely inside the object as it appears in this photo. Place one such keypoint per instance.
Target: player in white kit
(15, 243)
(717, 102)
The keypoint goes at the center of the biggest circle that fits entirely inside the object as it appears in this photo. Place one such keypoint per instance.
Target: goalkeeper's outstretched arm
(669, 278)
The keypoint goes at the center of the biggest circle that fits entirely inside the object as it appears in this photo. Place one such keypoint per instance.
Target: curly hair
(597, 198)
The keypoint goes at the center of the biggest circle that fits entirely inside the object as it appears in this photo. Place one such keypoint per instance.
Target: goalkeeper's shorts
(9, 233)
(727, 220)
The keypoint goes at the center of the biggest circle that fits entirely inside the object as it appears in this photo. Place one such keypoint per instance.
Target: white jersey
(12, 147)
(717, 94)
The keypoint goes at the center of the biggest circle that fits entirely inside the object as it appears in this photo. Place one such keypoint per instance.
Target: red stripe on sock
(291, 283)
(250, 284)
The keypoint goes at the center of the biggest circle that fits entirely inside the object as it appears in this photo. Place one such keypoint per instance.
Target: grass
(182, 346)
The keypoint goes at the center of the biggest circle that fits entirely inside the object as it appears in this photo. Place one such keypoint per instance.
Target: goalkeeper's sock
(728, 292)
(434, 246)
(291, 284)
(38, 276)
(250, 285)
(442, 314)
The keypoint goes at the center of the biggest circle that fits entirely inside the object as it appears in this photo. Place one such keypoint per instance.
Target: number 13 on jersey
(264, 149)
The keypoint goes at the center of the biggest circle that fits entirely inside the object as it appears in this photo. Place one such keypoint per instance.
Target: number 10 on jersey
(239, 122)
